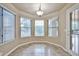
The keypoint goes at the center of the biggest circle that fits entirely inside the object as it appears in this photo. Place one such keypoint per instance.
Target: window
(74, 31)
(39, 27)
(53, 27)
(7, 25)
(25, 27)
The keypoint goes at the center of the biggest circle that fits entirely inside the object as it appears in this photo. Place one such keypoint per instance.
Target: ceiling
(31, 8)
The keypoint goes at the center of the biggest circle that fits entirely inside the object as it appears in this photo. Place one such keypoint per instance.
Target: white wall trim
(36, 42)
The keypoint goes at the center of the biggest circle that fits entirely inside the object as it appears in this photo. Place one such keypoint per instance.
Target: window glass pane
(25, 32)
(50, 32)
(39, 28)
(53, 22)
(53, 32)
(26, 22)
(8, 26)
(75, 21)
(75, 43)
(76, 32)
(75, 25)
(25, 27)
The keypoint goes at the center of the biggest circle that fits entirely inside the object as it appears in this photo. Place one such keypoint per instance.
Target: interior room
(39, 29)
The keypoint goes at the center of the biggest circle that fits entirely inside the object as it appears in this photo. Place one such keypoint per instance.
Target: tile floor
(39, 50)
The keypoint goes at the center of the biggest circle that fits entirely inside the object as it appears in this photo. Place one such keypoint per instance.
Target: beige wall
(60, 40)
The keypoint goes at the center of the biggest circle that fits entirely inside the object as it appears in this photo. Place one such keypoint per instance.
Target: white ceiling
(33, 7)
